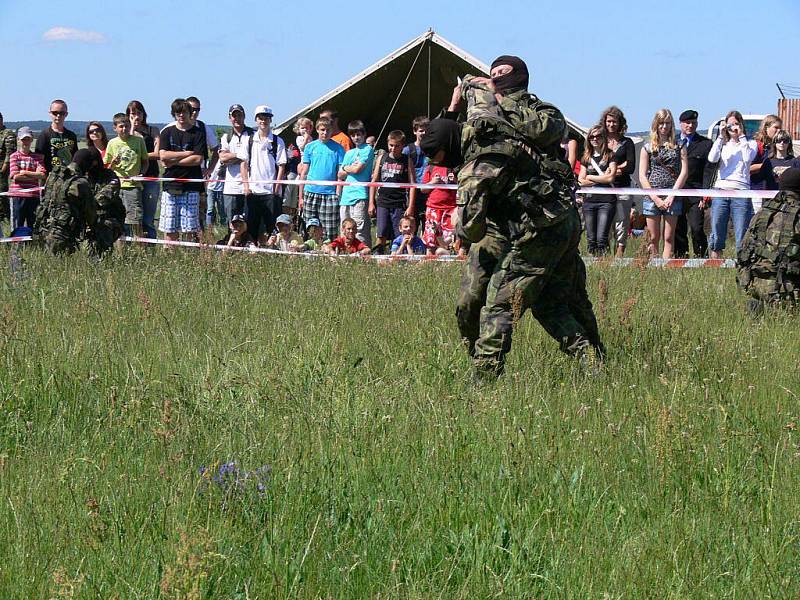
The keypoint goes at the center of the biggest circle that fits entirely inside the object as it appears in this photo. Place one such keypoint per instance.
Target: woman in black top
(615, 125)
(597, 170)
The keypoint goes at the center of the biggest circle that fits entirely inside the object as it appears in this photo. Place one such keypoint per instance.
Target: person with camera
(734, 153)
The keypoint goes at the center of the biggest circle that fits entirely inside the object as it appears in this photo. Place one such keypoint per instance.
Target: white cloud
(68, 34)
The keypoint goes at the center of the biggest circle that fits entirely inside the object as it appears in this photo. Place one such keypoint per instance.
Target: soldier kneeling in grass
(768, 268)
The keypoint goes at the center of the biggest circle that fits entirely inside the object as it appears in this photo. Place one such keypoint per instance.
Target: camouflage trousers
(768, 291)
(59, 227)
(502, 280)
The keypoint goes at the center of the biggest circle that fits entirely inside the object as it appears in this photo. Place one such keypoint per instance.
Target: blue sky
(583, 56)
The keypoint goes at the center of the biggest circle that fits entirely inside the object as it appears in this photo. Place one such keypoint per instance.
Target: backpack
(769, 258)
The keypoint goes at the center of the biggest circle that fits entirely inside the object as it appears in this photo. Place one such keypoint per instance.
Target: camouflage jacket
(771, 247)
(8, 145)
(67, 198)
(107, 197)
(514, 179)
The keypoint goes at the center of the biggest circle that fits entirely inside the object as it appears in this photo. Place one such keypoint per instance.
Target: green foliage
(672, 473)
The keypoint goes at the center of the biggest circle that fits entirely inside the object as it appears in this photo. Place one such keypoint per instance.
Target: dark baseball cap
(688, 115)
(237, 219)
(234, 108)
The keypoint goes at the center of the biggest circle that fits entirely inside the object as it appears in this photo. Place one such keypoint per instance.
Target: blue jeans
(151, 194)
(598, 217)
(215, 208)
(738, 209)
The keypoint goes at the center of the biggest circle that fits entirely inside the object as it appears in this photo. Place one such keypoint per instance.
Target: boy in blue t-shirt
(321, 160)
(357, 166)
(407, 242)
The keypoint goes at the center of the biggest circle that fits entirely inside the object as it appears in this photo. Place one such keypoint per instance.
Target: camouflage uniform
(769, 259)
(108, 226)
(74, 207)
(8, 145)
(516, 204)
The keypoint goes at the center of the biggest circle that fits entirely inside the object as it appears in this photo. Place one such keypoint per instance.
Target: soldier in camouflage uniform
(516, 207)
(769, 259)
(8, 145)
(80, 201)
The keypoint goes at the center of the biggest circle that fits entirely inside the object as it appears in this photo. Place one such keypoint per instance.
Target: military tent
(416, 79)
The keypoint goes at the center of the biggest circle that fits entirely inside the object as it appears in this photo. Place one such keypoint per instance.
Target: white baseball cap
(262, 109)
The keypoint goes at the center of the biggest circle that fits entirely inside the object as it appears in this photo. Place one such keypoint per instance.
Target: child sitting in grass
(348, 243)
(407, 242)
(315, 239)
(287, 238)
(238, 235)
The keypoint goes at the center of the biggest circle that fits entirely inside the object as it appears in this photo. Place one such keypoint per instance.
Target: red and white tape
(672, 263)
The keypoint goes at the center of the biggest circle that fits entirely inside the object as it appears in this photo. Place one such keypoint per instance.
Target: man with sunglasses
(57, 144)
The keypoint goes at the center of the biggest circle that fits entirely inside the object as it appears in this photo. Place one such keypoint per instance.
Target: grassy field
(365, 465)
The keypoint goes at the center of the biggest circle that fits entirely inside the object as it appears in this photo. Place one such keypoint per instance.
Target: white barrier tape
(670, 263)
(712, 193)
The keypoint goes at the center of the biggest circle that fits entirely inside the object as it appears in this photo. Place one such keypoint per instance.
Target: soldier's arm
(477, 181)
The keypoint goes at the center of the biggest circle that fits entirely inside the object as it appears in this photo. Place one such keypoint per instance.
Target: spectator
(357, 167)
(315, 241)
(439, 235)
(769, 127)
(780, 158)
(238, 235)
(8, 145)
(693, 215)
(371, 141)
(598, 169)
(408, 242)
(96, 137)
(392, 203)
(570, 147)
(419, 126)
(348, 243)
(233, 154)
(57, 144)
(215, 210)
(126, 155)
(151, 190)
(613, 120)
(337, 135)
(321, 160)
(662, 164)
(212, 146)
(303, 127)
(735, 153)
(266, 160)
(27, 173)
(182, 150)
(287, 239)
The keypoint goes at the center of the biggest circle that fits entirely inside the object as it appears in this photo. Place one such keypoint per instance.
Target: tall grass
(366, 464)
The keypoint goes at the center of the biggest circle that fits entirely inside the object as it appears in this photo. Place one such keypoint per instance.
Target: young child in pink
(439, 236)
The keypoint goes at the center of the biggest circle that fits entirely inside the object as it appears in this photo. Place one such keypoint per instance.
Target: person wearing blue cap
(286, 239)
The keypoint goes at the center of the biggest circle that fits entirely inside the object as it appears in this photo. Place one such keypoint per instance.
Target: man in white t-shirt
(233, 154)
(266, 162)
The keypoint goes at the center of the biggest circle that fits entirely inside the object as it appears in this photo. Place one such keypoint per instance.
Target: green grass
(673, 473)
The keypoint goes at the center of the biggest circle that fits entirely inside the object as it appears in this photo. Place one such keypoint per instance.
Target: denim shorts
(651, 210)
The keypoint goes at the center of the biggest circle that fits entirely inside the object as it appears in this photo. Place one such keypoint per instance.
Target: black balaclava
(790, 180)
(443, 134)
(89, 161)
(514, 81)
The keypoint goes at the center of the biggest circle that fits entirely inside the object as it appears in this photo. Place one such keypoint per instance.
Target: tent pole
(428, 113)
(400, 93)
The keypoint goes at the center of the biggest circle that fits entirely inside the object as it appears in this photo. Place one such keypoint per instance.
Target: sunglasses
(194, 110)
(95, 132)
(595, 137)
(58, 113)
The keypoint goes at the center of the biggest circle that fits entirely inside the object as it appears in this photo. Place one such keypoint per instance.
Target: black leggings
(598, 217)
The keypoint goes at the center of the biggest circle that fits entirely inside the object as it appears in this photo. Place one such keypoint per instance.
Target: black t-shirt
(173, 139)
(625, 152)
(393, 170)
(245, 240)
(150, 133)
(56, 148)
(590, 170)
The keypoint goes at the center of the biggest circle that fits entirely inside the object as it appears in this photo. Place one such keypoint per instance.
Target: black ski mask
(443, 134)
(513, 81)
(89, 161)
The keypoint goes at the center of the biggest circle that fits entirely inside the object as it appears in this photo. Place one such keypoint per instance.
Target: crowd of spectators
(235, 181)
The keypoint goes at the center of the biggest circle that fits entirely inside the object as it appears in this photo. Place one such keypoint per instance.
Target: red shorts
(439, 228)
